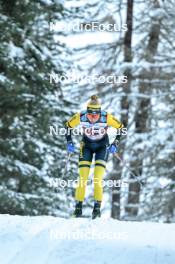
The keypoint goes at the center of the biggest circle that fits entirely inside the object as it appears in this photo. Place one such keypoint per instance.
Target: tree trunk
(115, 212)
(141, 117)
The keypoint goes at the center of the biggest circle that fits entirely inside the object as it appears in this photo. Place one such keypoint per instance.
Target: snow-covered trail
(51, 240)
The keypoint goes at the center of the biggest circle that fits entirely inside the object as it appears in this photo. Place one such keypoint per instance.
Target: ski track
(25, 240)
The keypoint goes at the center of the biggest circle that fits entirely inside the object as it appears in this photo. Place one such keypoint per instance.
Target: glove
(70, 147)
(113, 148)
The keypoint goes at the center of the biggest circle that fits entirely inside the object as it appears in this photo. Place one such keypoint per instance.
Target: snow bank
(46, 239)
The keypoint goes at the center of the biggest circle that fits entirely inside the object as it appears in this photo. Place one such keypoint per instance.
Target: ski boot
(96, 210)
(78, 209)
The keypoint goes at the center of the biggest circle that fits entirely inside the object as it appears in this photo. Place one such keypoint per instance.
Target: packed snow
(46, 239)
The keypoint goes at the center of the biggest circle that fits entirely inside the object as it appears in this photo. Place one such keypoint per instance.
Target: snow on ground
(47, 239)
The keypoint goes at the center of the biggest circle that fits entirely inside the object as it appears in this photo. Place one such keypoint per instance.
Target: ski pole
(124, 163)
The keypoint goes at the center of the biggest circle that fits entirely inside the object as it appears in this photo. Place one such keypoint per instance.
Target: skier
(95, 123)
